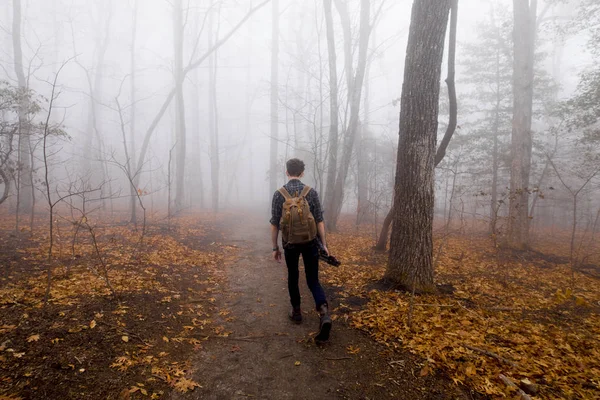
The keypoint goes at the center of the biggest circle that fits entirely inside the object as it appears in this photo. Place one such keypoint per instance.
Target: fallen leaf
(33, 338)
(125, 338)
(184, 385)
(93, 324)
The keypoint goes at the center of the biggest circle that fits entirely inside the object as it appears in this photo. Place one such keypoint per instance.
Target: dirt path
(268, 357)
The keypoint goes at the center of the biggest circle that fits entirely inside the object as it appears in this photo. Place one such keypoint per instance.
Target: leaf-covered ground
(522, 315)
(201, 311)
(85, 343)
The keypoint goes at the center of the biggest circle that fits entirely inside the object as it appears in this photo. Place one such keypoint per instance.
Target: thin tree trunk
(410, 261)
(495, 158)
(525, 12)
(355, 95)
(273, 172)
(25, 183)
(213, 117)
(131, 158)
(180, 128)
(333, 110)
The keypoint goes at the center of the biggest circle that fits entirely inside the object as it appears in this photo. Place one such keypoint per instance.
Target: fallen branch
(121, 329)
(244, 338)
(491, 354)
(510, 383)
(338, 358)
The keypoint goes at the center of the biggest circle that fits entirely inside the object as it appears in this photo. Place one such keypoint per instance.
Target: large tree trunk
(452, 123)
(273, 170)
(24, 184)
(410, 262)
(355, 84)
(180, 131)
(333, 110)
(525, 12)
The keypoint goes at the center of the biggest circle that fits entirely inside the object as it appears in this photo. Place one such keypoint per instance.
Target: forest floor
(201, 312)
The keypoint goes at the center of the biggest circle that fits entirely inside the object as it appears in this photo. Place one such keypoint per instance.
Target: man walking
(296, 211)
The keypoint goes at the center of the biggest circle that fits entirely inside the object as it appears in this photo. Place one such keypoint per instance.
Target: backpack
(297, 223)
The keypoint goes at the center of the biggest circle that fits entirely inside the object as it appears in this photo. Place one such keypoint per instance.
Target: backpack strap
(305, 191)
(286, 195)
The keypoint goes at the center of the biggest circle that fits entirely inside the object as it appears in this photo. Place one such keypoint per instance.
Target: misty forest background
(164, 108)
(455, 146)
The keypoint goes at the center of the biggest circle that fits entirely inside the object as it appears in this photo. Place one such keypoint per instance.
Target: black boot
(296, 315)
(324, 324)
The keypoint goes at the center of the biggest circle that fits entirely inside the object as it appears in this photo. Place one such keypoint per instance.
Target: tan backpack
(297, 223)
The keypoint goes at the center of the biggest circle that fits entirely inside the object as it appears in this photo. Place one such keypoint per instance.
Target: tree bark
(525, 12)
(452, 124)
(410, 262)
(273, 170)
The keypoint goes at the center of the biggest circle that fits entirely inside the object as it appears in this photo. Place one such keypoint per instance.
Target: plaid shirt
(293, 186)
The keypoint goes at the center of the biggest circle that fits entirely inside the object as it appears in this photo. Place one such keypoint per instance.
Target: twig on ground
(509, 382)
(491, 354)
(244, 338)
(338, 358)
(118, 328)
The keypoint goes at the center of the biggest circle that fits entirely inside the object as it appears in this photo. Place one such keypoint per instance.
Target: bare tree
(24, 181)
(180, 128)
(355, 85)
(192, 65)
(273, 172)
(213, 112)
(333, 107)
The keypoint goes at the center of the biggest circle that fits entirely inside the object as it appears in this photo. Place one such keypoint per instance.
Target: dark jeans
(310, 255)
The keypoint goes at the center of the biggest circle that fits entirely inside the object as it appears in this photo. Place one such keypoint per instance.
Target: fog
(117, 65)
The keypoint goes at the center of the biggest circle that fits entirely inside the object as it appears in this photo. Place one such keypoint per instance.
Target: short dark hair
(295, 167)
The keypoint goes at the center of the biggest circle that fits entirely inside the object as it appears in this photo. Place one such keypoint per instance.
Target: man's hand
(277, 255)
(325, 249)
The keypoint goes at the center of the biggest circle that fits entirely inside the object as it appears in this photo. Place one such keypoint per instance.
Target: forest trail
(266, 356)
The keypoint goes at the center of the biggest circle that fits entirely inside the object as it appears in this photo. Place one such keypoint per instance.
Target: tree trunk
(180, 131)
(131, 159)
(355, 84)
(525, 12)
(213, 117)
(25, 183)
(385, 232)
(495, 158)
(363, 208)
(333, 110)
(273, 170)
(452, 124)
(410, 262)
